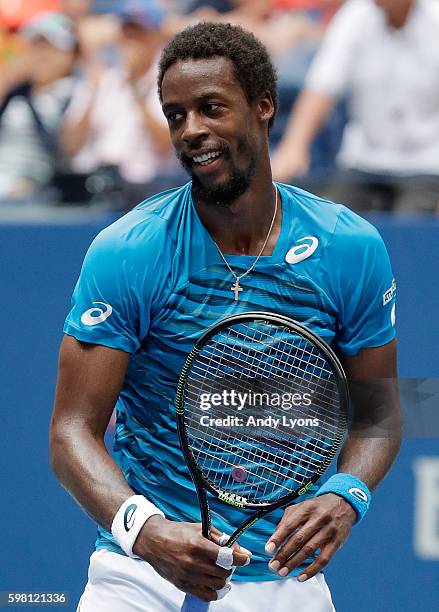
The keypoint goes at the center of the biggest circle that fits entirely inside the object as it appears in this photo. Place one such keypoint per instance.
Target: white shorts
(120, 584)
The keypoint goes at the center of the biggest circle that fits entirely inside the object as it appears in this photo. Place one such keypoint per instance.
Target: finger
(202, 592)
(219, 537)
(215, 534)
(207, 593)
(203, 560)
(306, 552)
(321, 562)
(225, 558)
(320, 542)
(241, 556)
(221, 593)
(218, 573)
(238, 555)
(292, 519)
(222, 538)
(216, 584)
(228, 557)
(238, 548)
(296, 542)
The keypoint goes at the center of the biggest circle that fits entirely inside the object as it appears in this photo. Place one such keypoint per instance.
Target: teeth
(206, 157)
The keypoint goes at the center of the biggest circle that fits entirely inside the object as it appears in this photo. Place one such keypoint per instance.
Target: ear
(266, 107)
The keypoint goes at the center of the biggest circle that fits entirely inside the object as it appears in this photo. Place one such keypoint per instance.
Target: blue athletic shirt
(153, 281)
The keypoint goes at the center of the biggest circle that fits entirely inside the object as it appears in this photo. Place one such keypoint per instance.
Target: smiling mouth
(206, 158)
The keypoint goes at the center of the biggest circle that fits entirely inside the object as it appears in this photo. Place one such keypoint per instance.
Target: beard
(223, 193)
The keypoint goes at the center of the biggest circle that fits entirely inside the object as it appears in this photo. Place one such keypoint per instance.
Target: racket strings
(249, 448)
(298, 347)
(281, 434)
(273, 460)
(288, 455)
(325, 392)
(287, 463)
(231, 357)
(324, 406)
(260, 356)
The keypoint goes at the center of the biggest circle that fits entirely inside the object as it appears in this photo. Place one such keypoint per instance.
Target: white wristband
(129, 520)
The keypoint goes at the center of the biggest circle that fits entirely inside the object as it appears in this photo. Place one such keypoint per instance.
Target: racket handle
(193, 604)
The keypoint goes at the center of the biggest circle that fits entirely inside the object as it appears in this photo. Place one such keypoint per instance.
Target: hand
(15, 73)
(323, 522)
(290, 162)
(180, 553)
(94, 71)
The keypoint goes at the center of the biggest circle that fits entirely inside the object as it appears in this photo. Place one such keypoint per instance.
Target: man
(114, 120)
(151, 284)
(34, 93)
(385, 55)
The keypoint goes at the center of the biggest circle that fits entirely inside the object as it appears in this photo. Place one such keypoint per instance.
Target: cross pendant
(236, 289)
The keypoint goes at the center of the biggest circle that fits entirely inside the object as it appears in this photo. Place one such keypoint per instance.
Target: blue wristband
(352, 489)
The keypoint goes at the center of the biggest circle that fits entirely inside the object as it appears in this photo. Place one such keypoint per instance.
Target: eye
(174, 116)
(210, 108)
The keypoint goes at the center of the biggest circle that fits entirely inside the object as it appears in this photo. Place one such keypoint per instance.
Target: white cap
(56, 28)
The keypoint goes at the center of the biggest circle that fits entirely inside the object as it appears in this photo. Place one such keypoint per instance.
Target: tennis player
(228, 241)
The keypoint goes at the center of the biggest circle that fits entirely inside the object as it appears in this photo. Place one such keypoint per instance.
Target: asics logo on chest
(302, 251)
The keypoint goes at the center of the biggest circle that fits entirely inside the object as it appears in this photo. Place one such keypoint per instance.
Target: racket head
(260, 467)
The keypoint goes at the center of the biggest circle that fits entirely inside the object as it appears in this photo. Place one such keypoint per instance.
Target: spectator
(323, 10)
(75, 9)
(115, 120)
(279, 30)
(220, 6)
(34, 92)
(94, 30)
(385, 53)
(15, 13)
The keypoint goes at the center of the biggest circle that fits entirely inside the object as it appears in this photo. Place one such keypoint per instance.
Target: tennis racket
(297, 389)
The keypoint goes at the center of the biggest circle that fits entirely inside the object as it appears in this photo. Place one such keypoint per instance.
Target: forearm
(310, 113)
(177, 550)
(158, 131)
(376, 428)
(74, 134)
(76, 131)
(84, 467)
(369, 459)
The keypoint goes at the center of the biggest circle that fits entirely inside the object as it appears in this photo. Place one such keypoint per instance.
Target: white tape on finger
(223, 592)
(225, 558)
(223, 539)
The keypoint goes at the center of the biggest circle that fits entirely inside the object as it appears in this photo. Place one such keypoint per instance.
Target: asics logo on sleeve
(129, 516)
(96, 315)
(302, 251)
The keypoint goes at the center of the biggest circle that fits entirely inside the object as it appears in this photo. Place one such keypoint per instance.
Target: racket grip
(193, 604)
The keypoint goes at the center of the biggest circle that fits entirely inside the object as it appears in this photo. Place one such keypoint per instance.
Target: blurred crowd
(81, 123)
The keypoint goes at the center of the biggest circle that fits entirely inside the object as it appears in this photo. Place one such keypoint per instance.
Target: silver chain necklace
(236, 288)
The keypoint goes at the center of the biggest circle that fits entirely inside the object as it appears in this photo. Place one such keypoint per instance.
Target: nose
(194, 128)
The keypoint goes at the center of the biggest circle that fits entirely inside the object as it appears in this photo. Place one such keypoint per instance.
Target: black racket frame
(201, 482)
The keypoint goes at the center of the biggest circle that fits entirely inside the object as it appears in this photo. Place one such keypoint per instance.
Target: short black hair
(251, 61)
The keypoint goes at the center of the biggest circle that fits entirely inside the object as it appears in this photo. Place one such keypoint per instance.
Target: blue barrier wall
(390, 562)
